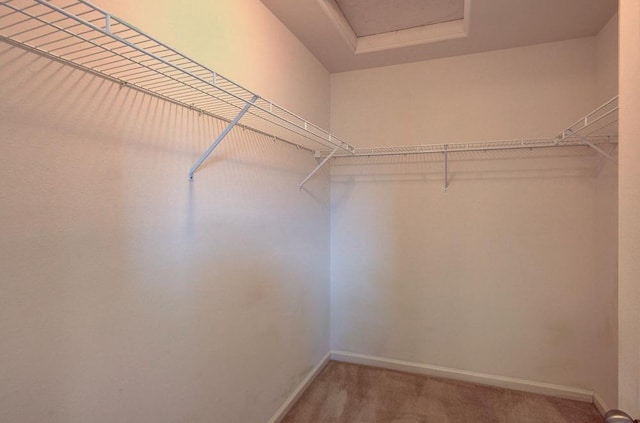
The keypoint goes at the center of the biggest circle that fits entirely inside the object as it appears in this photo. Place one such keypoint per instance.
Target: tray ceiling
(356, 34)
(371, 17)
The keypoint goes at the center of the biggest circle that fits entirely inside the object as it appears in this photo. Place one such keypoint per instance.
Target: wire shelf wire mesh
(602, 122)
(81, 34)
(85, 36)
(599, 127)
(478, 152)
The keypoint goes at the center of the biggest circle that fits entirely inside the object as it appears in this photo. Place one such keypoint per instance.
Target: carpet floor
(349, 393)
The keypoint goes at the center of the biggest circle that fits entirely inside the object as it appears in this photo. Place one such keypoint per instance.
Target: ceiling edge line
(413, 36)
(337, 18)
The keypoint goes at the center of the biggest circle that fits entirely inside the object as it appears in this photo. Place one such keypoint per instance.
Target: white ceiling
(345, 34)
(370, 17)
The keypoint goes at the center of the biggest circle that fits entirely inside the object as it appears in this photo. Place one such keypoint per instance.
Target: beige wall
(606, 202)
(629, 224)
(607, 60)
(130, 294)
(500, 274)
(495, 95)
(606, 176)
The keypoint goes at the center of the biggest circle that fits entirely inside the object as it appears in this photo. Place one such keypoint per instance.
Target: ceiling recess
(346, 35)
(372, 17)
(375, 25)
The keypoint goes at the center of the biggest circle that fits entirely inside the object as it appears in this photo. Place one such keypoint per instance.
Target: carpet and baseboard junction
(347, 388)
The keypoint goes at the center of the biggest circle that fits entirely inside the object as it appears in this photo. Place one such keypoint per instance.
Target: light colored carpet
(349, 393)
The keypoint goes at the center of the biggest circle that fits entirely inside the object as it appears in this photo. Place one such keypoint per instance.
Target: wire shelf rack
(603, 121)
(82, 35)
(85, 36)
(593, 132)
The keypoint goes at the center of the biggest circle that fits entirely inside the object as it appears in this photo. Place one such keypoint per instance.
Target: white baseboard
(600, 404)
(524, 385)
(559, 391)
(297, 393)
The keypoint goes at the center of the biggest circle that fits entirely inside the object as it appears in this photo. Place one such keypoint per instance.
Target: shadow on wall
(498, 275)
(545, 163)
(130, 293)
(549, 164)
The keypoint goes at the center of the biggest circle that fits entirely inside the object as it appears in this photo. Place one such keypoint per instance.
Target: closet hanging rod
(77, 32)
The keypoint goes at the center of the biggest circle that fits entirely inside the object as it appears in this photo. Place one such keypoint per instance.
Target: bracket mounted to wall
(222, 135)
(77, 33)
(446, 167)
(586, 141)
(594, 131)
(87, 37)
(322, 163)
(591, 124)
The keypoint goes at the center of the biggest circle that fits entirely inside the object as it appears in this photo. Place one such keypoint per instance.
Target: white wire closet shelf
(85, 36)
(82, 35)
(596, 131)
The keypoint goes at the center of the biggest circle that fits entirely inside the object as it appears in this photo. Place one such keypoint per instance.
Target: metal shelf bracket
(82, 35)
(77, 33)
(313, 172)
(586, 141)
(446, 167)
(222, 135)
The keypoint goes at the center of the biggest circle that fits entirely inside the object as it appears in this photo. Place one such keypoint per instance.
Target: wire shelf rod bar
(67, 46)
(16, 34)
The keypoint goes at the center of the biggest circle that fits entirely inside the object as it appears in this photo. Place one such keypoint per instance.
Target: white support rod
(603, 160)
(446, 168)
(592, 145)
(222, 135)
(322, 163)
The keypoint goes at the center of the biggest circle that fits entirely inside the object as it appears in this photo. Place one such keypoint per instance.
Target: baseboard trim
(559, 391)
(600, 404)
(297, 393)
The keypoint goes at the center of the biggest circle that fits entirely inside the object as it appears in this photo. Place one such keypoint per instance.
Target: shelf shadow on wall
(556, 162)
(428, 170)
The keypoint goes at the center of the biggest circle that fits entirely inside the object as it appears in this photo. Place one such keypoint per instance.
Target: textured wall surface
(607, 57)
(607, 227)
(629, 229)
(128, 293)
(500, 274)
